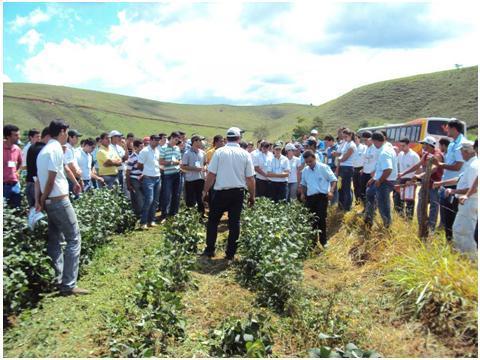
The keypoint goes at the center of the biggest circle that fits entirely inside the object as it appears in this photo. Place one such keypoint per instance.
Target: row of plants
(275, 240)
(152, 316)
(27, 269)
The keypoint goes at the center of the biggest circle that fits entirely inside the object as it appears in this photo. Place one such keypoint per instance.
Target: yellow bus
(415, 131)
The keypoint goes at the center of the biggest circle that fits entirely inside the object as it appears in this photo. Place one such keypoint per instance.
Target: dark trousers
(193, 194)
(11, 193)
(225, 200)
(449, 207)
(363, 184)
(317, 204)
(357, 184)
(261, 188)
(345, 192)
(278, 191)
(170, 195)
(404, 208)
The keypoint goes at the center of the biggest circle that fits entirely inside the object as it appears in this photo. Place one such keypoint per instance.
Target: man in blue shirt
(452, 168)
(381, 185)
(317, 187)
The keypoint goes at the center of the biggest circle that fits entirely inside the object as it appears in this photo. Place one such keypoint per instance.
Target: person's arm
(251, 189)
(48, 188)
(112, 163)
(38, 194)
(93, 175)
(331, 190)
(456, 166)
(472, 190)
(184, 166)
(209, 181)
(346, 156)
(259, 170)
(410, 169)
(385, 174)
(449, 182)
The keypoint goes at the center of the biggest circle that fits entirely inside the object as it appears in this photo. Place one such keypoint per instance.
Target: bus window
(437, 127)
(402, 132)
(408, 132)
(417, 133)
(397, 134)
(389, 133)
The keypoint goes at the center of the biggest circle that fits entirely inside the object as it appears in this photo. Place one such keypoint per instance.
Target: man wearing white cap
(119, 147)
(294, 162)
(231, 170)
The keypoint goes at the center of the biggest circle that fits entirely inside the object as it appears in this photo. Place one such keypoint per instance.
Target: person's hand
(462, 199)
(399, 176)
(38, 206)
(102, 180)
(435, 161)
(448, 192)
(77, 188)
(330, 195)
(205, 196)
(436, 184)
(130, 188)
(302, 197)
(377, 183)
(251, 200)
(370, 182)
(41, 205)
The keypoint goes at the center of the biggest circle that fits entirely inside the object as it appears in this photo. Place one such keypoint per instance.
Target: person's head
(73, 137)
(264, 146)
(163, 139)
(182, 135)
(218, 141)
(428, 144)
(356, 139)
(378, 139)
(11, 134)
(367, 137)
(88, 145)
(455, 128)
(290, 150)
(259, 143)
(309, 157)
(59, 130)
(197, 141)
(97, 140)
(403, 145)
(154, 140)
(45, 135)
(250, 147)
(137, 145)
(277, 149)
(347, 134)
(468, 151)
(384, 133)
(130, 138)
(234, 134)
(104, 139)
(443, 144)
(340, 133)
(33, 136)
(174, 139)
(115, 137)
(146, 141)
(311, 144)
(243, 144)
(329, 140)
(314, 133)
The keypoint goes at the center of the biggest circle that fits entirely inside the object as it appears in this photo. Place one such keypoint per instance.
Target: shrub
(350, 351)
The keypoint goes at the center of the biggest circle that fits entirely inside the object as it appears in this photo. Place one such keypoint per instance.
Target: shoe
(143, 227)
(75, 291)
(229, 259)
(152, 224)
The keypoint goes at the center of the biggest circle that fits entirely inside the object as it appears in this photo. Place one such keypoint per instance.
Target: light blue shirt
(318, 179)
(452, 156)
(387, 159)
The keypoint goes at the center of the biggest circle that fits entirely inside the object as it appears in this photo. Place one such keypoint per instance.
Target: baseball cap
(73, 132)
(196, 138)
(429, 140)
(467, 145)
(234, 132)
(114, 133)
(154, 137)
(289, 147)
(277, 145)
(314, 132)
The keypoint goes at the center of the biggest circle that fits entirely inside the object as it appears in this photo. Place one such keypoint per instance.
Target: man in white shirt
(119, 147)
(404, 196)
(293, 177)
(149, 163)
(231, 170)
(62, 220)
(193, 163)
(466, 219)
(357, 162)
(70, 159)
(84, 160)
(260, 163)
(381, 185)
(369, 159)
(278, 170)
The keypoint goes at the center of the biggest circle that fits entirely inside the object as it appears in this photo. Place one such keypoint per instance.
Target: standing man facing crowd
(108, 162)
(193, 163)
(12, 163)
(170, 158)
(231, 170)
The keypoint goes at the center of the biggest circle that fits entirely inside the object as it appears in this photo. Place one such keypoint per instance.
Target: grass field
(452, 93)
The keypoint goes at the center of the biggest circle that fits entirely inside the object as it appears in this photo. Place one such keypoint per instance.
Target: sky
(238, 53)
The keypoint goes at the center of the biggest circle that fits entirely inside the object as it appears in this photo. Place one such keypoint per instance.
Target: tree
(261, 132)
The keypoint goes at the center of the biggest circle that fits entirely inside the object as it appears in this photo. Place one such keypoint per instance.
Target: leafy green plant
(249, 338)
(350, 351)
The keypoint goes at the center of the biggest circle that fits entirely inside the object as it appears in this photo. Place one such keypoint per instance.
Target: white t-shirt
(278, 166)
(357, 156)
(150, 158)
(262, 160)
(120, 151)
(294, 165)
(345, 147)
(470, 173)
(369, 159)
(70, 155)
(406, 161)
(50, 158)
(84, 161)
(231, 165)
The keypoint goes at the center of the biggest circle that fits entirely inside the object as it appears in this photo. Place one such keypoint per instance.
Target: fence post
(425, 195)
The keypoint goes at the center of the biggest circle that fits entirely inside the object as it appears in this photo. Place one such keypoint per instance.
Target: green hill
(450, 93)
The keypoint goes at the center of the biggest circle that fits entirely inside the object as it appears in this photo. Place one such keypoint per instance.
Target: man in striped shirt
(134, 178)
(170, 158)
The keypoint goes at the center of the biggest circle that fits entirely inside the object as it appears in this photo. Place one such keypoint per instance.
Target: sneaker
(143, 227)
(152, 224)
(75, 291)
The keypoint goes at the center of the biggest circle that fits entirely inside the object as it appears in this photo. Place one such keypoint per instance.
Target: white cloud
(209, 54)
(6, 78)
(31, 39)
(35, 17)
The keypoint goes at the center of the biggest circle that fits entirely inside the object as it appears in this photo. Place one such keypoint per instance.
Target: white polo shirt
(279, 166)
(470, 172)
(50, 158)
(357, 156)
(369, 159)
(231, 165)
(262, 160)
(294, 165)
(84, 161)
(406, 161)
(150, 158)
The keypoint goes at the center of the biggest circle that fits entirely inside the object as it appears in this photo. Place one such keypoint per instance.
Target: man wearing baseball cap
(429, 151)
(119, 147)
(231, 170)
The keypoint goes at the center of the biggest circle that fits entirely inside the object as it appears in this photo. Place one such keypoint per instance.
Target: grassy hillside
(452, 93)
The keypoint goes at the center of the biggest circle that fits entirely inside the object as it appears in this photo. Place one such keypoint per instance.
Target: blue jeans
(434, 206)
(151, 192)
(110, 181)
(292, 191)
(345, 193)
(170, 198)
(380, 196)
(11, 192)
(63, 226)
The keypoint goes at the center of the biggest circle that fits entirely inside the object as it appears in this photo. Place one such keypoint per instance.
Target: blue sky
(234, 52)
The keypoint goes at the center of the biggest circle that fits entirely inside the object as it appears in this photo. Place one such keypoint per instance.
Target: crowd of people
(156, 171)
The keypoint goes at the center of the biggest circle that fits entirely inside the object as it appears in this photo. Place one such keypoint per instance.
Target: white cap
(114, 133)
(290, 146)
(314, 132)
(234, 132)
(467, 145)
(429, 140)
